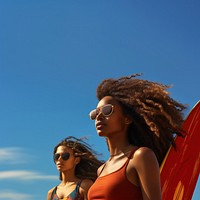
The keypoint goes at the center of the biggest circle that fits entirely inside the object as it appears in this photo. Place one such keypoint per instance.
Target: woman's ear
(128, 120)
(77, 160)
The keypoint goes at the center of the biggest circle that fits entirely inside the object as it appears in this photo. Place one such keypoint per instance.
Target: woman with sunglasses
(139, 120)
(77, 164)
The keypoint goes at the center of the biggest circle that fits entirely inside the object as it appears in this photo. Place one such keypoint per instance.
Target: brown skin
(143, 168)
(69, 180)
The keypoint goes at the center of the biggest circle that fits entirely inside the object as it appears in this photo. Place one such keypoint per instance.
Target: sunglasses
(64, 156)
(106, 111)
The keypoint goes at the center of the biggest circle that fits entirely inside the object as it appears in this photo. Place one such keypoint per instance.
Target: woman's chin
(101, 134)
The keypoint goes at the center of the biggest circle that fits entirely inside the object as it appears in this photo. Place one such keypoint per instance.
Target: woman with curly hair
(139, 120)
(77, 164)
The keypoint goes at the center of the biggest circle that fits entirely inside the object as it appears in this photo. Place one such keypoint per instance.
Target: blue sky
(53, 54)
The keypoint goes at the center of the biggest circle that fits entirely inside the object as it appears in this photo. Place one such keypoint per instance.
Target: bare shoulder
(49, 193)
(86, 184)
(84, 187)
(51, 190)
(143, 153)
(143, 156)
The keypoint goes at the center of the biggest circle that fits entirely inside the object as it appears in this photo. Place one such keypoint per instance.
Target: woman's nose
(99, 115)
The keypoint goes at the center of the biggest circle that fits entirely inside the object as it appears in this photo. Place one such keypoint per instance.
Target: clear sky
(53, 54)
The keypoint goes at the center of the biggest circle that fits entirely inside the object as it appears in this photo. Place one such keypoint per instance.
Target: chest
(114, 186)
(62, 193)
(111, 166)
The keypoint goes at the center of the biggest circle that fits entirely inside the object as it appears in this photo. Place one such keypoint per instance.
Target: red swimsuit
(115, 186)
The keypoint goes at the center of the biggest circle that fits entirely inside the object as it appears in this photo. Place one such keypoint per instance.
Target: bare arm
(148, 171)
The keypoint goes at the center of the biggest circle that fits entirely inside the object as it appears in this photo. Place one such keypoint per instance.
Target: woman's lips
(99, 125)
(59, 165)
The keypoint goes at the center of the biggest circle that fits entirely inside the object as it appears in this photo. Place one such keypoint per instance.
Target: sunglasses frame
(99, 110)
(65, 156)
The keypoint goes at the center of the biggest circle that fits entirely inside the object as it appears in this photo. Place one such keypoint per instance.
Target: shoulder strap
(127, 161)
(78, 186)
(130, 155)
(132, 152)
(102, 169)
(53, 193)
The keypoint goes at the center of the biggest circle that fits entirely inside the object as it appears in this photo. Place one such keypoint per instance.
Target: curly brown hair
(88, 165)
(157, 118)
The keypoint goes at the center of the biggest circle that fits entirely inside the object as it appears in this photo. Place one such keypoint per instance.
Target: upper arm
(148, 171)
(85, 185)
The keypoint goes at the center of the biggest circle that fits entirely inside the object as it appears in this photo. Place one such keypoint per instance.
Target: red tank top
(115, 186)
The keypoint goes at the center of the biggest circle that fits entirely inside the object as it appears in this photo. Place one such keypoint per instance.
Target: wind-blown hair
(88, 165)
(157, 118)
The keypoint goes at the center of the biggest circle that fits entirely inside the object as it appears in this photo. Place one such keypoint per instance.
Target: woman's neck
(69, 178)
(117, 146)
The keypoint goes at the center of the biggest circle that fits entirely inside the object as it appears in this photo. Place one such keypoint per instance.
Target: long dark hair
(88, 165)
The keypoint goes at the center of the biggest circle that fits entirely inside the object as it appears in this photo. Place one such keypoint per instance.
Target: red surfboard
(180, 168)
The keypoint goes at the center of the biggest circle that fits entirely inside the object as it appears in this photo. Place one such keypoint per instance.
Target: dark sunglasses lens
(65, 156)
(93, 114)
(56, 156)
(107, 110)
